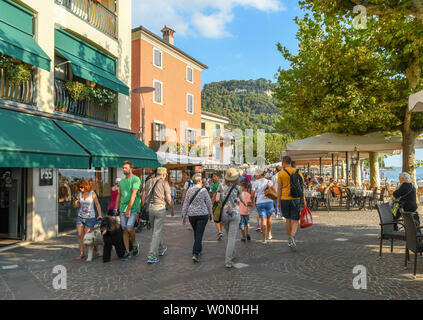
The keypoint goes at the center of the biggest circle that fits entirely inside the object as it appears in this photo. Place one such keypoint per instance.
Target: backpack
(296, 184)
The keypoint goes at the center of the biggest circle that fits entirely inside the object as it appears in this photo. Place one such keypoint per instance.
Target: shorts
(173, 198)
(86, 222)
(244, 222)
(265, 209)
(128, 222)
(291, 209)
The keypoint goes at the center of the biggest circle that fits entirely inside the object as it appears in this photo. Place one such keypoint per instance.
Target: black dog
(112, 236)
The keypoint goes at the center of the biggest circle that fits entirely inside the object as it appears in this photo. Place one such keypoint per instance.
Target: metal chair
(387, 226)
(413, 238)
(373, 199)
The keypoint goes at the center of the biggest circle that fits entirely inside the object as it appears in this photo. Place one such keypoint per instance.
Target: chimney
(168, 34)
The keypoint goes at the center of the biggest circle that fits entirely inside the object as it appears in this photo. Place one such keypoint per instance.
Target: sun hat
(258, 172)
(117, 180)
(232, 174)
(161, 170)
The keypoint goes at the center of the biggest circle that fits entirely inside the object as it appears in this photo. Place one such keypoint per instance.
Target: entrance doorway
(11, 205)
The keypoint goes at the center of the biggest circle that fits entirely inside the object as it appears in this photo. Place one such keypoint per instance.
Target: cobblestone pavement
(322, 268)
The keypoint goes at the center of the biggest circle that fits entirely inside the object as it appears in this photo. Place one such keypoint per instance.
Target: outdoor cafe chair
(373, 199)
(351, 199)
(413, 238)
(387, 226)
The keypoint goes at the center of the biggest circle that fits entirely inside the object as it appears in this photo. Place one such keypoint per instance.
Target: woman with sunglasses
(86, 216)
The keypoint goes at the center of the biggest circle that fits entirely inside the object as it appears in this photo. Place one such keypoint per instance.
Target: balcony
(94, 13)
(86, 109)
(22, 93)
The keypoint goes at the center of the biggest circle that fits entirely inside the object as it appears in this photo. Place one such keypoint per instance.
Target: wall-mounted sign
(46, 177)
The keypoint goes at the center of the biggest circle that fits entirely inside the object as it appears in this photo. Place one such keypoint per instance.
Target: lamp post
(141, 132)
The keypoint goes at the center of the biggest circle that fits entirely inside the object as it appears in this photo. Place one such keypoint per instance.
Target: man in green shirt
(129, 201)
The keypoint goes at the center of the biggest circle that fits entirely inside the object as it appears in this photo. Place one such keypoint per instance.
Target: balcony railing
(22, 93)
(86, 109)
(95, 13)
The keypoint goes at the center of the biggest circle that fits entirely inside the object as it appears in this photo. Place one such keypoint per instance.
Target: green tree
(353, 81)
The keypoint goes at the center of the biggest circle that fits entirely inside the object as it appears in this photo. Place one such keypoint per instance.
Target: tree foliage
(337, 82)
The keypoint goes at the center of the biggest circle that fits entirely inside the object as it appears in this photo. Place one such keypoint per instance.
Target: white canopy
(415, 102)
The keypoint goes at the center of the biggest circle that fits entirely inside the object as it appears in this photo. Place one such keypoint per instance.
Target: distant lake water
(393, 174)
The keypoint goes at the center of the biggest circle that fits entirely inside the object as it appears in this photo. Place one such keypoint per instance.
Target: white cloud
(207, 18)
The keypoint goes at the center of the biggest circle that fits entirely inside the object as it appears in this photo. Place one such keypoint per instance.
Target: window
(159, 132)
(190, 74)
(203, 129)
(158, 92)
(190, 136)
(190, 103)
(157, 58)
(218, 154)
(217, 130)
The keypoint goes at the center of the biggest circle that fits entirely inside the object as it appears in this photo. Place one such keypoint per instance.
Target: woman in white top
(86, 216)
(264, 205)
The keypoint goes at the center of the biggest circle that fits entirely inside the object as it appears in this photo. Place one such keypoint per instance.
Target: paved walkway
(322, 268)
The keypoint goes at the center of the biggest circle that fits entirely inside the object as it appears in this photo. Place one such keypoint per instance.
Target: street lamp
(140, 91)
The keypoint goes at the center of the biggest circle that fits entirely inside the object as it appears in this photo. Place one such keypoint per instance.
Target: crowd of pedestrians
(226, 200)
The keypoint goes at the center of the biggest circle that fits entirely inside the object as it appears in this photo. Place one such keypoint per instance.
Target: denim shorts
(244, 222)
(291, 209)
(86, 222)
(265, 210)
(128, 222)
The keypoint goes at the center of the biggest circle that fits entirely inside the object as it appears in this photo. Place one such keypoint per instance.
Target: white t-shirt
(259, 186)
(275, 181)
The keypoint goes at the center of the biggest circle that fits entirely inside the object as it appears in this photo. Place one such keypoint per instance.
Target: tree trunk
(413, 73)
(357, 175)
(374, 170)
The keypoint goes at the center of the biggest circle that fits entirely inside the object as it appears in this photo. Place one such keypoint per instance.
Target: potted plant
(17, 73)
(77, 90)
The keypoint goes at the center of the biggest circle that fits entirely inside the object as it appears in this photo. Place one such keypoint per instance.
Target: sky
(236, 39)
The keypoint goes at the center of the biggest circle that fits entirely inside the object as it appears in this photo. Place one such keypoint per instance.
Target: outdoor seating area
(333, 195)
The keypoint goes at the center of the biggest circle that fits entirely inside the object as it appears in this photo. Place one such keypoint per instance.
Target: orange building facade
(166, 83)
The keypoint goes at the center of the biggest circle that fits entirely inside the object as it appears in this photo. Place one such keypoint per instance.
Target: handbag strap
(152, 191)
(226, 198)
(195, 195)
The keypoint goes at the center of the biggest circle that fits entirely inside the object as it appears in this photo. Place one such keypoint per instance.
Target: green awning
(16, 37)
(88, 62)
(28, 141)
(110, 148)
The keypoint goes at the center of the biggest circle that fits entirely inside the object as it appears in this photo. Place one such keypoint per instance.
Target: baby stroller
(143, 220)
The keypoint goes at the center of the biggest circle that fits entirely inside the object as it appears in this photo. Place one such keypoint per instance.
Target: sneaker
(265, 242)
(152, 260)
(258, 228)
(228, 265)
(164, 249)
(195, 258)
(220, 236)
(136, 250)
(293, 244)
(269, 237)
(248, 237)
(242, 239)
(125, 256)
(289, 241)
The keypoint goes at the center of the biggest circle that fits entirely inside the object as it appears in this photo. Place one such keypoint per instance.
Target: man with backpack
(290, 193)
(188, 184)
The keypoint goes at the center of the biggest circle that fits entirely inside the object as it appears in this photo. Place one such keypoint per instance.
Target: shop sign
(46, 177)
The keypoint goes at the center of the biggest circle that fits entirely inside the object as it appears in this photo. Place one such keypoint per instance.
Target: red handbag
(306, 220)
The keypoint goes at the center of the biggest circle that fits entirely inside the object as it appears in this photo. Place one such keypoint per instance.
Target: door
(11, 208)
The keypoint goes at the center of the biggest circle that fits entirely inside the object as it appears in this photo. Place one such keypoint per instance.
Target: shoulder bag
(219, 205)
(270, 192)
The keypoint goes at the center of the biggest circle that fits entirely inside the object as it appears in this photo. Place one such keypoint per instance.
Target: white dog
(93, 239)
